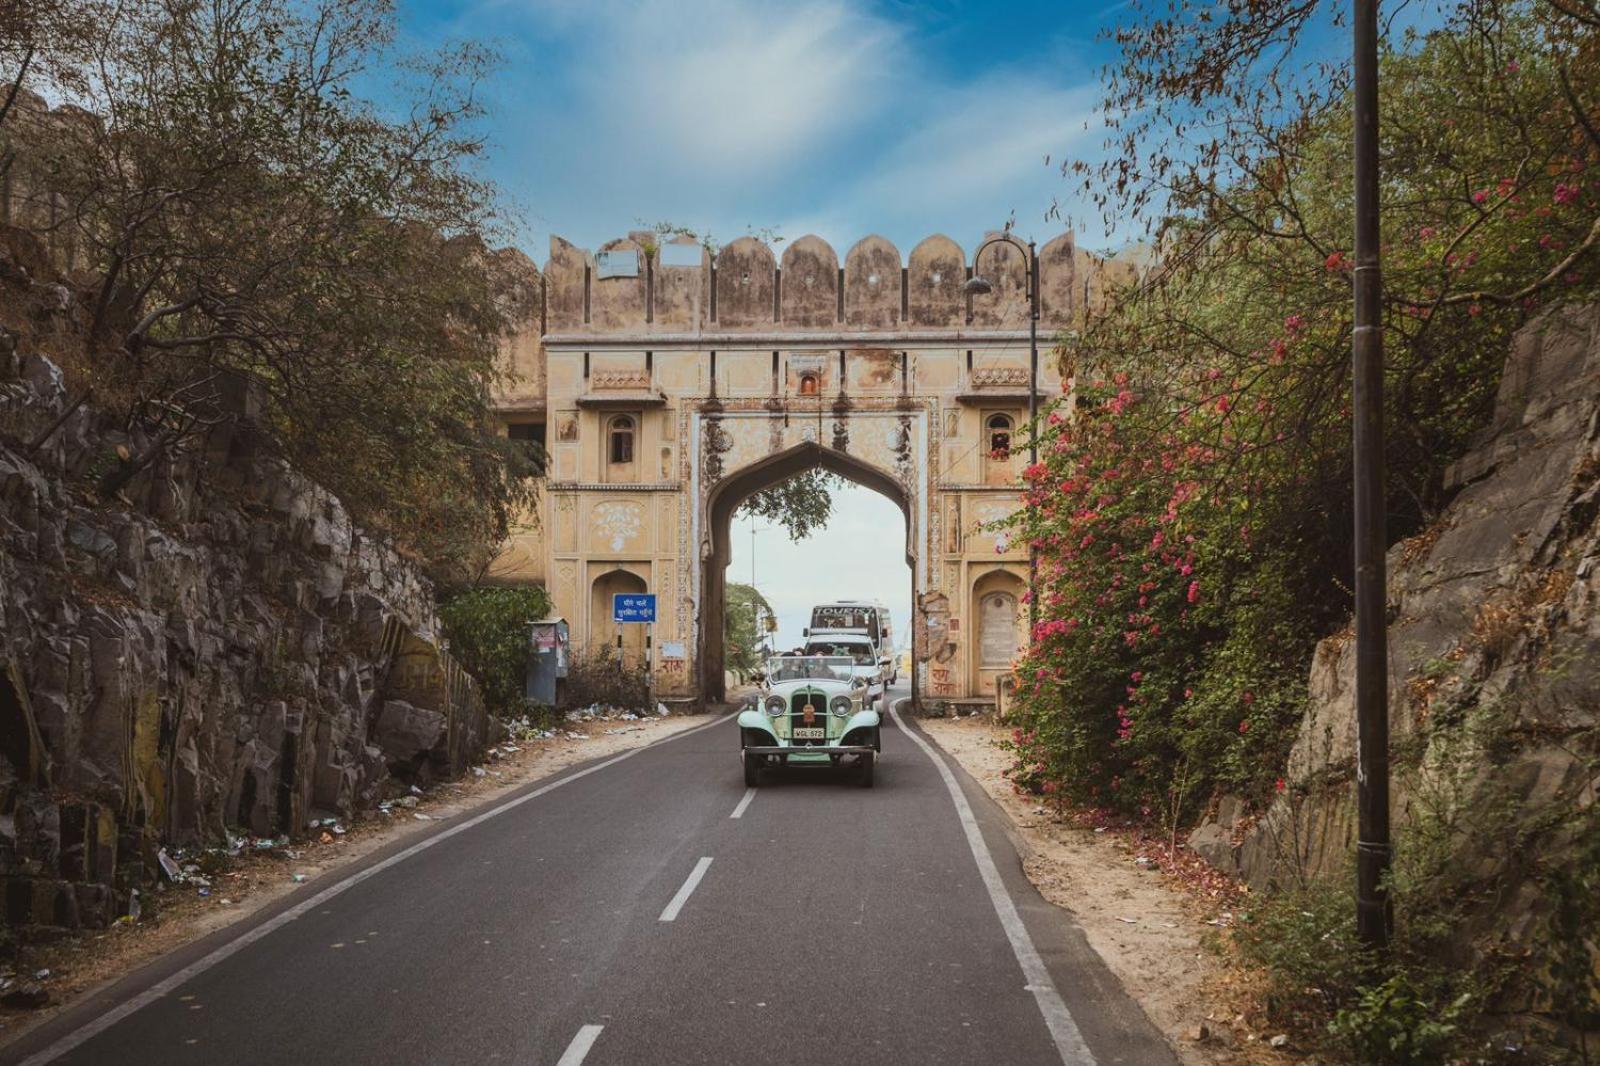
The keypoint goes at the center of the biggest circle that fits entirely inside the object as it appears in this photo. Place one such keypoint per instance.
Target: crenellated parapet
(640, 284)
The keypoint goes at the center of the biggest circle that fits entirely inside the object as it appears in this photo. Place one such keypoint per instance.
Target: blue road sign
(633, 607)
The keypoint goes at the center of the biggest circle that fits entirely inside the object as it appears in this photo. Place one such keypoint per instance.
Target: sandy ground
(178, 914)
(1152, 929)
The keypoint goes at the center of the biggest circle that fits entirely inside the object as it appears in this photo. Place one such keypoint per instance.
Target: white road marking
(578, 1050)
(89, 1030)
(738, 812)
(699, 871)
(1063, 1030)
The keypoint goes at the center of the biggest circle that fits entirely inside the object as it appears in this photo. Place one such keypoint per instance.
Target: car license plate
(810, 733)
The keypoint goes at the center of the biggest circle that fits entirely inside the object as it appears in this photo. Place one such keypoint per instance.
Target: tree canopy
(244, 210)
(748, 620)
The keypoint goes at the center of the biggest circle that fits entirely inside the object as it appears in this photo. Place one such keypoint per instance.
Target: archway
(603, 632)
(996, 635)
(724, 499)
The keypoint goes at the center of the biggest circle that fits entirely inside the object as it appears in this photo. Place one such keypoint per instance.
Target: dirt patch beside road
(1151, 932)
(179, 914)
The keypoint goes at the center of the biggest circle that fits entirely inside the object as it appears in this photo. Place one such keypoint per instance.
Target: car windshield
(859, 653)
(808, 667)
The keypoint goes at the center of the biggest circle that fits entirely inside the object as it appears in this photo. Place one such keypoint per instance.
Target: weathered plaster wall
(807, 290)
(884, 364)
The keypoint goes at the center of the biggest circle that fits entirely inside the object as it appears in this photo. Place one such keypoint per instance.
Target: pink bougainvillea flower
(1194, 592)
(1244, 726)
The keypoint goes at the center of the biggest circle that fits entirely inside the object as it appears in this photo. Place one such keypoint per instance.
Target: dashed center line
(579, 1048)
(738, 812)
(699, 871)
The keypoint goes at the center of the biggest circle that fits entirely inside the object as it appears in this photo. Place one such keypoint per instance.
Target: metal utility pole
(1372, 654)
(1033, 421)
(753, 531)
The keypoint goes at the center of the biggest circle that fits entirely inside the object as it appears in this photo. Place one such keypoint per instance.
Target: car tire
(865, 771)
(752, 771)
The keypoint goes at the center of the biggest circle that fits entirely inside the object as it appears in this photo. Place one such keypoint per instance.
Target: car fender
(862, 720)
(758, 720)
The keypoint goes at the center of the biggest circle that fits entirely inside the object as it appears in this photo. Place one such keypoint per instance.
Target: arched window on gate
(999, 430)
(620, 439)
(810, 383)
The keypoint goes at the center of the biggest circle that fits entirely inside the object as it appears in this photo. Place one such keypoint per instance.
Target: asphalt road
(626, 915)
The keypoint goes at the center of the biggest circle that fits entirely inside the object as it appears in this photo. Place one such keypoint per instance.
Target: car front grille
(797, 719)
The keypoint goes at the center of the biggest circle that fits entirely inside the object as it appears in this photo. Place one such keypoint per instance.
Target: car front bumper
(809, 749)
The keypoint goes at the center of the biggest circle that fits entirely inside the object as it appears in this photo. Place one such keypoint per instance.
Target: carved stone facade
(673, 393)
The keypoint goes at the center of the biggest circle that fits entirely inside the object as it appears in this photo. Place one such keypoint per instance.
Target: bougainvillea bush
(1191, 512)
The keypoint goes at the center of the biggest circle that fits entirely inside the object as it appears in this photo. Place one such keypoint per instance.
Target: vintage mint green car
(812, 712)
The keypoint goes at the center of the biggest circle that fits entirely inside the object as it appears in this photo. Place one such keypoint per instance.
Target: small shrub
(1398, 1022)
(599, 678)
(488, 632)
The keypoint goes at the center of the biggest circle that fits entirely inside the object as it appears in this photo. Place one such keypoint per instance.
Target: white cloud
(723, 89)
(825, 116)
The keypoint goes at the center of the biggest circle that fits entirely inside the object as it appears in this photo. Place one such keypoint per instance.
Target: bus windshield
(858, 651)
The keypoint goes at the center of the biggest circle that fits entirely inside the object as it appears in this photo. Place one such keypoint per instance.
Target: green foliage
(1191, 514)
(746, 615)
(801, 504)
(488, 632)
(1571, 979)
(247, 213)
(1417, 1008)
(1395, 1022)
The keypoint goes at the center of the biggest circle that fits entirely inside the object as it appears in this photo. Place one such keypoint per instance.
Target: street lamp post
(978, 285)
(1372, 654)
(754, 529)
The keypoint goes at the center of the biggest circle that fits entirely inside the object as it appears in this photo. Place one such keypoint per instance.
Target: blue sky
(840, 117)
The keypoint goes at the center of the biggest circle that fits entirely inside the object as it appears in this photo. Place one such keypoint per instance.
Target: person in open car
(813, 710)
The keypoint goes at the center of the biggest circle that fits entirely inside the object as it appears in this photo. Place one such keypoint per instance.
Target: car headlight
(841, 705)
(775, 705)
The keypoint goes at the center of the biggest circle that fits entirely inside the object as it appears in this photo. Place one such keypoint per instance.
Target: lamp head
(977, 285)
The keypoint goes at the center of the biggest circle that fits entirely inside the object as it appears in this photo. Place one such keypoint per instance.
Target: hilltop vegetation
(1192, 514)
(234, 205)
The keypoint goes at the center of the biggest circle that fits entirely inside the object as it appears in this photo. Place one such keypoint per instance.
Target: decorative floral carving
(619, 379)
(999, 376)
(619, 521)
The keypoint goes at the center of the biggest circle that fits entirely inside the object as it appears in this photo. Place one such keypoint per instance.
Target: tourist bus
(868, 617)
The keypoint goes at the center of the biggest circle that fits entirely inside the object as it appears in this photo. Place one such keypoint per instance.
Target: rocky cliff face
(217, 646)
(1494, 644)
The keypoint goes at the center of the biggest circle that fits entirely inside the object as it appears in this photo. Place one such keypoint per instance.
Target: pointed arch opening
(723, 502)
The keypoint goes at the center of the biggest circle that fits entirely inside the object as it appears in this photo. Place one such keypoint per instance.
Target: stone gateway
(668, 384)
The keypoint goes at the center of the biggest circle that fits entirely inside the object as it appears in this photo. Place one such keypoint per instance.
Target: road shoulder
(1150, 933)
